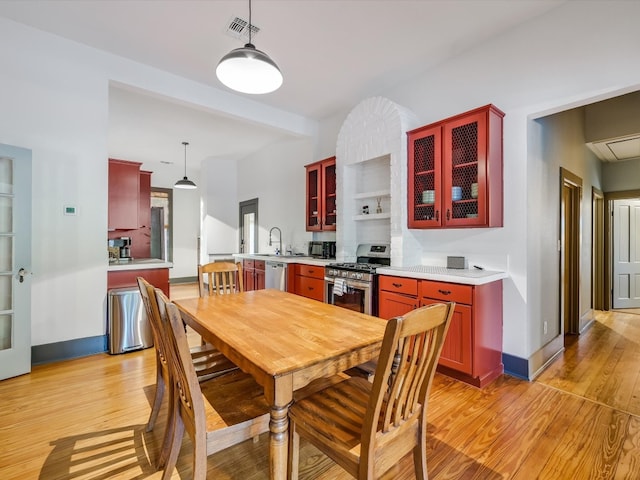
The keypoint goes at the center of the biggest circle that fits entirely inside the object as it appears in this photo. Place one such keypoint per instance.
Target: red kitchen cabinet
(253, 274)
(309, 281)
(141, 237)
(472, 351)
(321, 195)
(396, 296)
(158, 277)
(124, 194)
(455, 171)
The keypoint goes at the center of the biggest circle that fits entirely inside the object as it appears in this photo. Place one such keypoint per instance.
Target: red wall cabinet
(141, 238)
(455, 171)
(321, 195)
(124, 194)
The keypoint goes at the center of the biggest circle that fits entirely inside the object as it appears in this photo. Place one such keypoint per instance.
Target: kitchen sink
(278, 256)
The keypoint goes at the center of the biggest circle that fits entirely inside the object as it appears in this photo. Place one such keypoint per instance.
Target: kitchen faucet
(279, 249)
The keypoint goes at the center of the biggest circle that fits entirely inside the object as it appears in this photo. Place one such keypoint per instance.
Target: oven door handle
(351, 283)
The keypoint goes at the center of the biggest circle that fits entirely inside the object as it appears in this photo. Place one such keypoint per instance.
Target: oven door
(357, 296)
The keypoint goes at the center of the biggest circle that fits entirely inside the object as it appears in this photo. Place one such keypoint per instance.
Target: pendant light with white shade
(185, 183)
(249, 70)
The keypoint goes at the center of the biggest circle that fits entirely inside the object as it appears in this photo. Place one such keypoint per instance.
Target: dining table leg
(279, 427)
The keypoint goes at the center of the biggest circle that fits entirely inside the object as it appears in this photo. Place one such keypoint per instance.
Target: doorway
(162, 223)
(570, 214)
(625, 252)
(248, 226)
(15, 260)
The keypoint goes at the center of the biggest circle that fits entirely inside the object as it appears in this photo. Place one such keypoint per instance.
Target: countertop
(270, 257)
(443, 274)
(139, 264)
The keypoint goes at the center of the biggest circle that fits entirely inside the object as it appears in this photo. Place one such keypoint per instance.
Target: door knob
(21, 273)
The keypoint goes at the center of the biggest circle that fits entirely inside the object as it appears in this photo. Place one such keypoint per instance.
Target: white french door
(15, 261)
(626, 253)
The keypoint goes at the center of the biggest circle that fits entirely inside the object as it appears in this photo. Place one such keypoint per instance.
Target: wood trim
(571, 242)
(597, 249)
(543, 357)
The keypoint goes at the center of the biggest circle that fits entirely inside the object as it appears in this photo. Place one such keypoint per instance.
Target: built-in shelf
(375, 194)
(372, 216)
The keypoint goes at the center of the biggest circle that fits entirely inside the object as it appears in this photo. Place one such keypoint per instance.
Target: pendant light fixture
(249, 70)
(185, 183)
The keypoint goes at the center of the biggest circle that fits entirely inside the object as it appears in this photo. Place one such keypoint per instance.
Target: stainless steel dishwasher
(275, 275)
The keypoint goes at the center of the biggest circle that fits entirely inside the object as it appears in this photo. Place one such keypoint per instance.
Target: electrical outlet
(544, 327)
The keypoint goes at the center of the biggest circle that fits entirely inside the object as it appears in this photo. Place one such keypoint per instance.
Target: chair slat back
(185, 380)
(147, 292)
(221, 278)
(406, 366)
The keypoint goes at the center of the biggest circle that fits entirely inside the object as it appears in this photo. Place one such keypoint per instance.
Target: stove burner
(359, 267)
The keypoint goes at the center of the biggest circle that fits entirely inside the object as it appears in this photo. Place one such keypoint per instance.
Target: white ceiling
(332, 54)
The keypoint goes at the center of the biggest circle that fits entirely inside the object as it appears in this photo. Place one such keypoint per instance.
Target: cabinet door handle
(311, 271)
(444, 292)
(447, 214)
(397, 285)
(310, 288)
(437, 215)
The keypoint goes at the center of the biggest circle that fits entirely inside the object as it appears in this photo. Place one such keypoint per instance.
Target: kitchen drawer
(258, 264)
(310, 287)
(248, 263)
(407, 286)
(448, 292)
(311, 271)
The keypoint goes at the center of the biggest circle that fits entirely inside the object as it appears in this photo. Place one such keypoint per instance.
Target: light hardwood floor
(85, 418)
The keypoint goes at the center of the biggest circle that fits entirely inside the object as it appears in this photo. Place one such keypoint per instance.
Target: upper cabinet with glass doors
(455, 171)
(321, 195)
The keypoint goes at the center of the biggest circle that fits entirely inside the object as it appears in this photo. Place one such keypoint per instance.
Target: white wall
(220, 207)
(276, 176)
(543, 66)
(54, 101)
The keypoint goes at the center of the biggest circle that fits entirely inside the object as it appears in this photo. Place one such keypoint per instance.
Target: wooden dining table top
(279, 332)
(285, 341)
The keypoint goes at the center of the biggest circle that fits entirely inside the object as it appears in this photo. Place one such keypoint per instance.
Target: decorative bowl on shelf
(428, 196)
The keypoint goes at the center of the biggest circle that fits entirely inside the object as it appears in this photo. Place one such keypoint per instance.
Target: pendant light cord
(250, 28)
(185, 158)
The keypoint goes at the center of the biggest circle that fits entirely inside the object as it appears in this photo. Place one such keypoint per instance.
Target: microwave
(322, 249)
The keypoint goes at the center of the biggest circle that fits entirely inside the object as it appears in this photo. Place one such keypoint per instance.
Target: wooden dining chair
(368, 427)
(221, 278)
(207, 361)
(216, 414)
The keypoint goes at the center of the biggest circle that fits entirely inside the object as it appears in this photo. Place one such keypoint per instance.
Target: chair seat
(335, 417)
(234, 405)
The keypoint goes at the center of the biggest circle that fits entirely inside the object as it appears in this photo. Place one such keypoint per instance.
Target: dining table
(285, 341)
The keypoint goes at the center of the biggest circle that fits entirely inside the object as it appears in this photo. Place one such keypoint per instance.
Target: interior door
(15, 261)
(248, 226)
(626, 253)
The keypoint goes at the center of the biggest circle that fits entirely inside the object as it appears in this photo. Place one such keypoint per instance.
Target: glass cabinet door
(425, 179)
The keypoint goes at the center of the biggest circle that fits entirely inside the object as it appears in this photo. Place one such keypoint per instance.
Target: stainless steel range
(354, 285)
